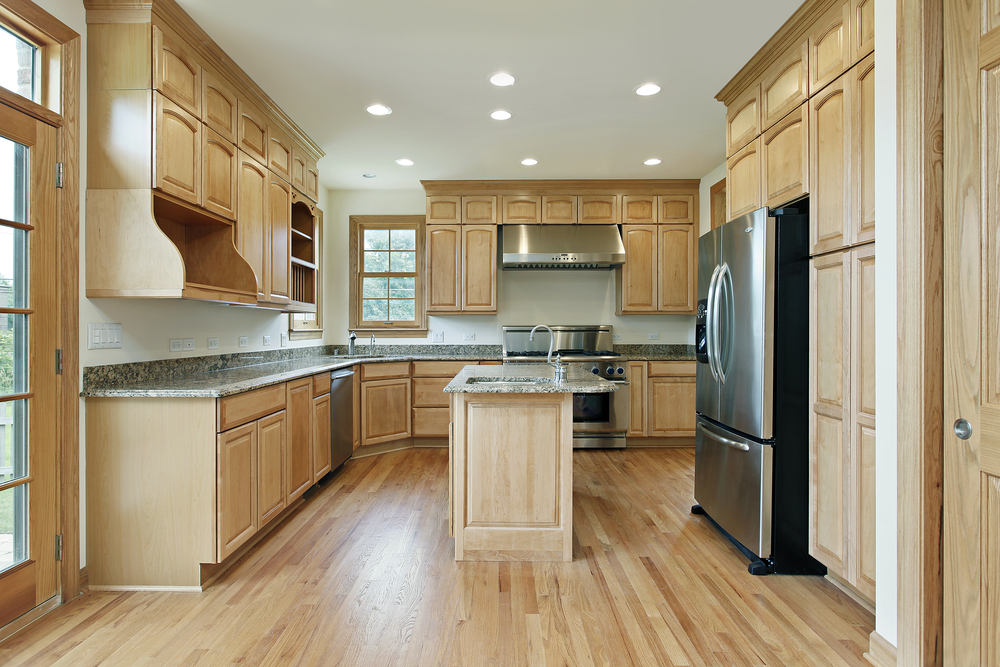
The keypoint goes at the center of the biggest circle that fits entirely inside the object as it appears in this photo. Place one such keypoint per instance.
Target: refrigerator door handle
(710, 318)
(718, 437)
(724, 283)
(715, 333)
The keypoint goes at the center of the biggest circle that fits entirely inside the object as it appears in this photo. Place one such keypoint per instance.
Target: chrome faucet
(558, 365)
(350, 344)
(371, 346)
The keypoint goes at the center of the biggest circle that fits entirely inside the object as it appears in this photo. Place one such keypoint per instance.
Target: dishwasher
(341, 416)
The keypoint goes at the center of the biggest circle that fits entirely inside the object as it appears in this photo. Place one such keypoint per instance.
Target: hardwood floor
(363, 574)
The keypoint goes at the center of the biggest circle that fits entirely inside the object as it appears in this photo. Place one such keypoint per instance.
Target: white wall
(524, 297)
(885, 320)
(705, 196)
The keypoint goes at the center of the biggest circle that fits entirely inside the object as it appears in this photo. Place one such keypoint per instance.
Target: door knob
(963, 429)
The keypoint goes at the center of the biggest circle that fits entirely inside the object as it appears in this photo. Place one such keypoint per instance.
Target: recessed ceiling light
(502, 79)
(405, 162)
(528, 162)
(500, 114)
(369, 175)
(379, 110)
(647, 89)
(651, 161)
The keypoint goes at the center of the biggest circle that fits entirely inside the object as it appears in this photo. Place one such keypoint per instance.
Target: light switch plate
(468, 336)
(438, 337)
(101, 336)
(176, 344)
(267, 340)
(654, 336)
(213, 343)
(616, 336)
(284, 339)
(243, 341)
(189, 343)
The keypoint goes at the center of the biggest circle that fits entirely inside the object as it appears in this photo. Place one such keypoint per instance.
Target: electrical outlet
(616, 336)
(243, 341)
(654, 336)
(267, 340)
(189, 343)
(213, 343)
(176, 344)
(468, 336)
(438, 337)
(284, 339)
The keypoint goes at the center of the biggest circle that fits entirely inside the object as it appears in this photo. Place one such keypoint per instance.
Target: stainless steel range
(599, 420)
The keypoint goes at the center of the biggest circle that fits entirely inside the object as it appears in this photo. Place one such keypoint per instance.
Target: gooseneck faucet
(371, 346)
(558, 365)
(350, 345)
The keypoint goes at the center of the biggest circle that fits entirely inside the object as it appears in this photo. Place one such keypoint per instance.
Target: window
(387, 261)
(18, 62)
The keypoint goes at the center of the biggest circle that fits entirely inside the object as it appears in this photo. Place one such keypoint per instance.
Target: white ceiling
(576, 62)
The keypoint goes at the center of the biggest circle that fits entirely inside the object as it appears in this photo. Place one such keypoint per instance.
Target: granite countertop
(216, 384)
(578, 380)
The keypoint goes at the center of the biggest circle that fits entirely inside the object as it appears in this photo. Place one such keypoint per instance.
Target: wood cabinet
(177, 157)
(252, 132)
(177, 72)
(479, 269)
(444, 267)
(278, 237)
(598, 210)
(481, 210)
(251, 238)
(279, 153)
(522, 209)
(829, 47)
(785, 85)
(461, 269)
(743, 181)
(637, 404)
(299, 449)
(220, 107)
(677, 209)
(862, 29)
(237, 488)
(220, 174)
(842, 420)
(272, 434)
(785, 159)
(385, 402)
(862, 79)
(445, 210)
(430, 403)
(660, 271)
(559, 209)
(639, 210)
(677, 270)
(639, 276)
(670, 391)
(830, 167)
(304, 233)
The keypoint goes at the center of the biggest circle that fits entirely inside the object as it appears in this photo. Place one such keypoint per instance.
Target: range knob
(620, 370)
(595, 370)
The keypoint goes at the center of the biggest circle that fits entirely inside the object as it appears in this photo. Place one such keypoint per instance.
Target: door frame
(60, 107)
(920, 328)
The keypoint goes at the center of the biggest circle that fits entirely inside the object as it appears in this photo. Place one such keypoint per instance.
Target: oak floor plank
(363, 574)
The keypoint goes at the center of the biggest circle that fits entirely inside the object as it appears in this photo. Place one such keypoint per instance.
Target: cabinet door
(862, 405)
(743, 181)
(863, 150)
(177, 164)
(639, 274)
(444, 210)
(220, 174)
(279, 153)
(252, 132)
(671, 406)
(312, 179)
(429, 392)
(637, 399)
(251, 220)
(430, 422)
(300, 167)
(829, 167)
(272, 433)
(598, 210)
(785, 158)
(321, 436)
(385, 410)
(237, 488)
(220, 108)
(559, 210)
(479, 210)
(479, 268)
(743, 120)
(176, 72)
(444, 268)
(829, 47)
(677, 210)
(677, 271)
(785, 85)
(639, 209)
(862, 29)
(279, 203)
(829, 450)
(298, 452)
(522, 210)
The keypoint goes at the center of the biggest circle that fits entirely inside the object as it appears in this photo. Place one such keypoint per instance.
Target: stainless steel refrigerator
(752, 344)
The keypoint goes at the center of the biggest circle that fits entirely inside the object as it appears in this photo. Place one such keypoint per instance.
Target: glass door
(29, 326)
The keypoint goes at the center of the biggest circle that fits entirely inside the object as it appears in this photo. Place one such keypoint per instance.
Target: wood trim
(880, 652)
(714, 213)
(33, 109)
(919, 225)
(794, 30)
(36, 23)
(560, 187)
(69, 325)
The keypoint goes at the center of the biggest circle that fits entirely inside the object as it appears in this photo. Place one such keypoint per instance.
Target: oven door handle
(624, 382)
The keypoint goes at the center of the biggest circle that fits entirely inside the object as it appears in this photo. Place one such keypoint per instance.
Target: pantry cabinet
(830, 169)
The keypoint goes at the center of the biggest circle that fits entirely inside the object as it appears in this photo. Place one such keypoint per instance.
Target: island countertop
(537, 379)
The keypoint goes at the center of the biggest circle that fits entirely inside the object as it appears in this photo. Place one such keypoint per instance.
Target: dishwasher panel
(341, 416)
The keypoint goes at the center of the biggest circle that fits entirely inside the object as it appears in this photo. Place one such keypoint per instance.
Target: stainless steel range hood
(562, 247)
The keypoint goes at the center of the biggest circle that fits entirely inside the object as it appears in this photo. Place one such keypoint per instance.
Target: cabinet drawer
(251, 405)
(439, 369)
(321, 384)
(430, 422)
(396, 369)
(664, 368)
(429, 392)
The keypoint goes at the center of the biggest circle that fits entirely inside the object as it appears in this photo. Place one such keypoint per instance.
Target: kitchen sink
(509, 381)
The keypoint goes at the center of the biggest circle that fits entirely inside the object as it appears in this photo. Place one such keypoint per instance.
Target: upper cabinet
(829, 47)
(182, 142)
(743, 120)
(785, 86)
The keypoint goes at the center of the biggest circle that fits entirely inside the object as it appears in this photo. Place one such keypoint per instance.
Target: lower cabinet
(661, 399)
(237, 488)
(271, 436)
(385, 402)
(430, 403)
(299, 450)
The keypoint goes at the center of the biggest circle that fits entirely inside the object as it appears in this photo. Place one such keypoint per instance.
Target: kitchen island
(511, 461)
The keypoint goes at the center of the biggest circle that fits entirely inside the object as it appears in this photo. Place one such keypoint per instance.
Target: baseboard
(432, 443)
(382, 448)
(852, 592)
(880, 652)
(678, 442)
(149, 589)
